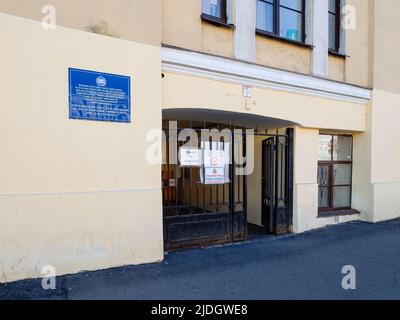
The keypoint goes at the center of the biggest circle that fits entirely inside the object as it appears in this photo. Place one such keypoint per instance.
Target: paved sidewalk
(305, 266)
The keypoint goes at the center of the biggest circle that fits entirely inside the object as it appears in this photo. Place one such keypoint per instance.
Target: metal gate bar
(277, 198)
(216, 215)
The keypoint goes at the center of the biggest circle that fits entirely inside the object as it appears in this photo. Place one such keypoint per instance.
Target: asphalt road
(305, 266)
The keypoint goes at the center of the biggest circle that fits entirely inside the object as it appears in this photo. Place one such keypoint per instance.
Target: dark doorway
(277, 183)
(196, 213)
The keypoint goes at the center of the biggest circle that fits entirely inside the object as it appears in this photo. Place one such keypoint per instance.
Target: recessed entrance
(205, 182)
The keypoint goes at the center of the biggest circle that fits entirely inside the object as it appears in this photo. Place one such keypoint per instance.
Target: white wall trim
(71, 193)
(238, 72)
(244, 44)
(230, 12)
(308, 10)
(342, 42)
(320, 38)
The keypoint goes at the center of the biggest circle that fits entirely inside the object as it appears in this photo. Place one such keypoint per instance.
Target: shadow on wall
(102, 28)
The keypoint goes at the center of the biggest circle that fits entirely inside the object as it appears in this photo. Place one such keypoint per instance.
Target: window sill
(216, 21)
(337, 213)
(274, 36)
(338, 54)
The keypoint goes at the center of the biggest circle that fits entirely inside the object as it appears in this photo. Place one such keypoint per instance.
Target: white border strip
(73, 193)
(223, 69)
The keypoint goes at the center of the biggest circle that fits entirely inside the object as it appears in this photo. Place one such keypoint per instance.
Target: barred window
(335, 172)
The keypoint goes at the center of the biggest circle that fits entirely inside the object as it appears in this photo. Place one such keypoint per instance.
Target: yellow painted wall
(81, 196)
(282, 55)
(336, 68)
(182, 27)
(187, 31)
(359, 44)
(386, 49)
(254, 197)
(376, 160)
(383, 114)
(134, 20)
(78, 195)
(362, 194)
(178, 23)
(305, 188)
(181, 91)
(385, 162)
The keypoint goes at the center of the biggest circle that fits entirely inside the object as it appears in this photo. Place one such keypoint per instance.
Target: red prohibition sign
(214, 161)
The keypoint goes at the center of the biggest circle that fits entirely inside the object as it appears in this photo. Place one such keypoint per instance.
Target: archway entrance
(205, 180)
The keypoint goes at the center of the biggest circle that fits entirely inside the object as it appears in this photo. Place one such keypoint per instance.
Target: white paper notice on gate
(214, 175)
(214, 158)
(190, 157)
(216, 155)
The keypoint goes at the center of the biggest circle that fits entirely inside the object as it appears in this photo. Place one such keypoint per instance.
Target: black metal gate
(277, 183)
(197, 214)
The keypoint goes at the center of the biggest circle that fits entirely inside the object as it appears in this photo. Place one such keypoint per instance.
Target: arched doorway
(205, 176)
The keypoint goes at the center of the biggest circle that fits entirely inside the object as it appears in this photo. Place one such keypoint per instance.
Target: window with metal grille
(334, 172)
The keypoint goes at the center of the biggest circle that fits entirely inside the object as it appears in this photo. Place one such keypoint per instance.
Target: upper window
(214, 10)
(282, 18)
(334, 172)
(334, 25)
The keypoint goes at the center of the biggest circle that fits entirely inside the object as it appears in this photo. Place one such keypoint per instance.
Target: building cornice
(238, 72)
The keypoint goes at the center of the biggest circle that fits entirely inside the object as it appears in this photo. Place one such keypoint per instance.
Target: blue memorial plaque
(99, 96)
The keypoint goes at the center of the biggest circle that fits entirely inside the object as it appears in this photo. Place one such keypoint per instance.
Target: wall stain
(102, 28)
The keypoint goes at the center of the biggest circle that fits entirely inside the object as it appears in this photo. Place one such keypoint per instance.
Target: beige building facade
(321, 99)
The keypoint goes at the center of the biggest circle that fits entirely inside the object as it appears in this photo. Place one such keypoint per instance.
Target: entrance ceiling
(225, 117)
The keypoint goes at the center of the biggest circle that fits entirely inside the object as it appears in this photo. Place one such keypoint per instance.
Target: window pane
(341, 174)
(213, 8)
(342, 197)
(265, 16)
(323, 176)
(332, 6)
(293, 4)
(290, 24)
(324, 148)
(323, 197)
(332, 32)
(342, 148)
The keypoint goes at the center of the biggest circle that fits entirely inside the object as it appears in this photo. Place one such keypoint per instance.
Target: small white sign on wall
(247, 91)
